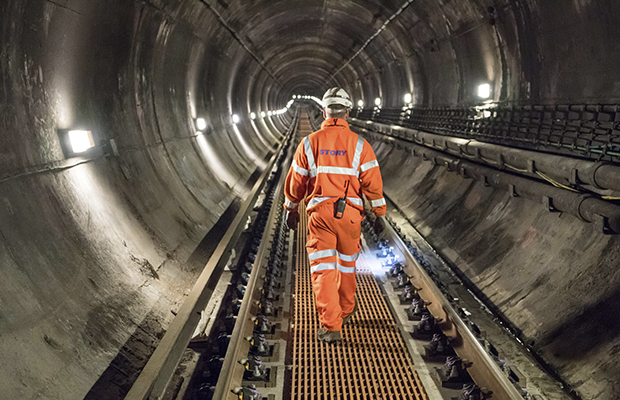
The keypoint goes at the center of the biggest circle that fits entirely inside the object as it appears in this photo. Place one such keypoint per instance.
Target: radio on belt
(341, 204)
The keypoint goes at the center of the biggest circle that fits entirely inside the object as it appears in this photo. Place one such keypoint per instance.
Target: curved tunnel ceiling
(94, 250)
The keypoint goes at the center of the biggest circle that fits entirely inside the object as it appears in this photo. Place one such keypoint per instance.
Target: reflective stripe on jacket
(329, 158)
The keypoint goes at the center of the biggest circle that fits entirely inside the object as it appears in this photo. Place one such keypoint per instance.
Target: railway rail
(265, 345)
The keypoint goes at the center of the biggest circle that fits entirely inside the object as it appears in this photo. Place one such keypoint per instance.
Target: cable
(555, 183)
(236, 36)
(516, 169)
(396, 14)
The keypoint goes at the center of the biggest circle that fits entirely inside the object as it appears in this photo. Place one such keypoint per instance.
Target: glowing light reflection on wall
(105, 220)
(248, 150)
(260, 135)
(213, 161)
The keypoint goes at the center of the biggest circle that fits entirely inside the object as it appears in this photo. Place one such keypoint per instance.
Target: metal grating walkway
(371, 362)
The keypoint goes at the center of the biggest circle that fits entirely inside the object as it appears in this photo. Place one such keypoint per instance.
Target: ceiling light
(253, 115)
(201, 124)
(270, 113)
(484, 91)
(408, 98)
(81, 141)
(262, 114)
(235, 119)
(360, 103)
(378, 101)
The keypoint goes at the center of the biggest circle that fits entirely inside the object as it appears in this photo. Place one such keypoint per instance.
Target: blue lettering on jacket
(327, 152)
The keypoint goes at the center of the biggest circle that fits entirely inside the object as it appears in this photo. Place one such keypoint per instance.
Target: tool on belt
(341, 204)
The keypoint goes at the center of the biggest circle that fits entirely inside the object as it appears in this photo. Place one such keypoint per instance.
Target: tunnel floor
(371, 362)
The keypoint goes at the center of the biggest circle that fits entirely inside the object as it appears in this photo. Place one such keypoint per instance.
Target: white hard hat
(337, 95)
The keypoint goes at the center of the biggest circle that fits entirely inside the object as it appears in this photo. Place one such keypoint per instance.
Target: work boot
(348, 317)
(328, 336)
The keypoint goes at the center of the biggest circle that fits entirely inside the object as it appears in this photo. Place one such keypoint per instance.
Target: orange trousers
(333, 247)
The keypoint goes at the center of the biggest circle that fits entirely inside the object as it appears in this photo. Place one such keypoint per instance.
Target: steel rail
(154, 378)
(483, 370)
(231, 374)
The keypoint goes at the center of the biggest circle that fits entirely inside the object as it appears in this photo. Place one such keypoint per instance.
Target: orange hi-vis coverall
(324, 164)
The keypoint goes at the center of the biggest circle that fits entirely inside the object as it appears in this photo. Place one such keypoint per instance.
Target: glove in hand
(379, 225)
(292, 219)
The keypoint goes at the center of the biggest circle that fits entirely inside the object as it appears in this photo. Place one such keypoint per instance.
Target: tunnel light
(270, 113)
(262, 114)
(378, 101)
(235, 119)
(360, 103)
(81, 141)
(408, 98)
(484, 91)
(253, 115)
(201, 124)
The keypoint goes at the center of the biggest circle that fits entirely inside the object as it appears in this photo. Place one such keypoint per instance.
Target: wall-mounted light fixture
(85, 143)
(360, 103)
(270, 113)
(484, 91)
(235, 119)
(408, 98)
(81, 141)
(378, 101)
(262, 114)
(201, 124)
(253, 115)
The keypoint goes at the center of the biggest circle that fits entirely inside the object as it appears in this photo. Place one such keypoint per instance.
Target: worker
(335, 168)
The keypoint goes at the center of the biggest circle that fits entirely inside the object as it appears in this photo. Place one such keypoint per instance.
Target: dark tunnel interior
(191, 97)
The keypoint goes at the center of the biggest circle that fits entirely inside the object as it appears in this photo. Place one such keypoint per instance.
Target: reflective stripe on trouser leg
(346, 290)
(348, 251)
(325, 284)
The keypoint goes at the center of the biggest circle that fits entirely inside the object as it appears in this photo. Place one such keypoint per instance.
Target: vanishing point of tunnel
(133, 131)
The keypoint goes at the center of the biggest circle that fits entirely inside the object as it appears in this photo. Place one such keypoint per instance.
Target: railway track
(263, 344)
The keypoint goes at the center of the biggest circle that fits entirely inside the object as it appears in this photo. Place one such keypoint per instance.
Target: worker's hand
(292, 219)
(379, 225)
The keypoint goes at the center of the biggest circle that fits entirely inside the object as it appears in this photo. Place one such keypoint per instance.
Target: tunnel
(185, 102)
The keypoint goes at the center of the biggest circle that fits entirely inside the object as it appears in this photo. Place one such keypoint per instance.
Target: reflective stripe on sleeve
(299, 170)
(378, 203)
(369, 165)
(310, 157)
(358, 153)
(321, 254)
(323, 267)
(346, 270)
(289, 203)
(345, 257)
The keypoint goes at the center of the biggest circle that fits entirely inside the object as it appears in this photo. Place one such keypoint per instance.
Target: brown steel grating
(371, 362)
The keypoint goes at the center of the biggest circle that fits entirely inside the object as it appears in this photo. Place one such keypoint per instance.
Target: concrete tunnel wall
(95, 256)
